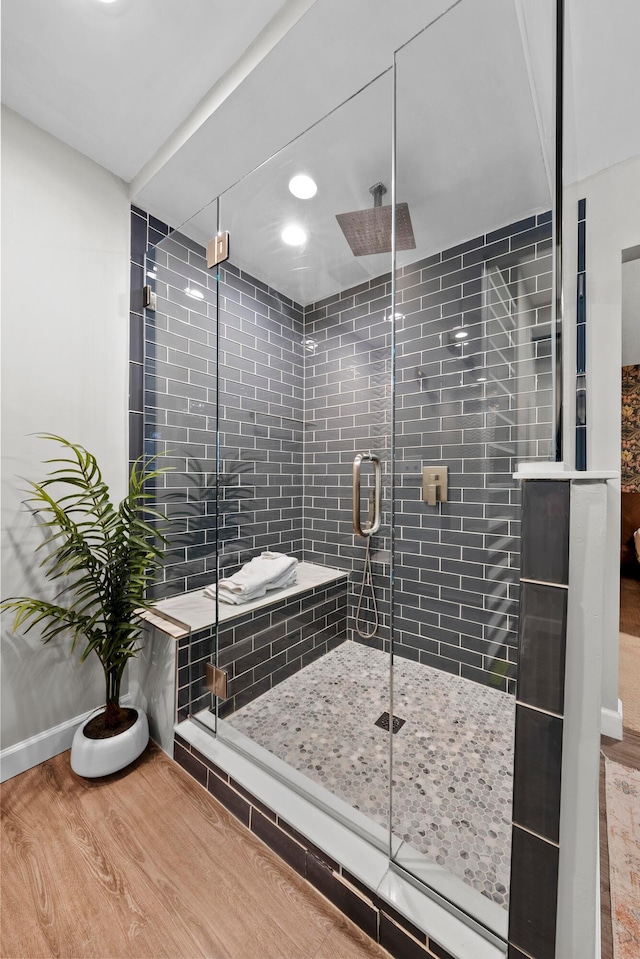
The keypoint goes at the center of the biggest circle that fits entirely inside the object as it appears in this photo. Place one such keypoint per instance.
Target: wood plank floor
(626, 752)
(145, 863)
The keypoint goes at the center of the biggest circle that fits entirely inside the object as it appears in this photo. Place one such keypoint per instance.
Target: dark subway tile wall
(140, 240)
(261, 379)
(318, 380)
(247, 378)
(261, 648)
(478, 404)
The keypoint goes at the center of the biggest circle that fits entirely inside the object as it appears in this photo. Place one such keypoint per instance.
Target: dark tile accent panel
(312, 849)
(211, 766)
(192, 765)
(533, 895)
(282, 844)
(545, 530)
(581, 348)
(179, 741)
(136, 432)
(254, 802)
(581, 339)
(349, 902)
(140, 238)
(513, 953)
(393, 914)
(229, 797)
(581, 446)
(538, 748)
(438, 951)
(397, 942)
(538, 758)
(542, 638)
(139, 227)
(136, 338)
(136, 387)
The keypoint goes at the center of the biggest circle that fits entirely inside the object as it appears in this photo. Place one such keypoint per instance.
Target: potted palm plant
(102, 558)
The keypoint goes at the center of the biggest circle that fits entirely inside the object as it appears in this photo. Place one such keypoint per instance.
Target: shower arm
(376, 522)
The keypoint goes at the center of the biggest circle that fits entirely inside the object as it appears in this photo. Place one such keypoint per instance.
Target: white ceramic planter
(101, 757)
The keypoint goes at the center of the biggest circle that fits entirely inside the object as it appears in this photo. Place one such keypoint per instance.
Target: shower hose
(367, 579)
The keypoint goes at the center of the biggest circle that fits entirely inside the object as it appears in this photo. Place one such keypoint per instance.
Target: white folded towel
(226, 596)
(265, 572)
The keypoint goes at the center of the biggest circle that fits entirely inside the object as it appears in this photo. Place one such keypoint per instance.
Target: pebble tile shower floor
(452, 759)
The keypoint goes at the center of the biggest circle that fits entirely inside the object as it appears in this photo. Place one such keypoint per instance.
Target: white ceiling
(184, 98)
(439, 152)
(115, 80)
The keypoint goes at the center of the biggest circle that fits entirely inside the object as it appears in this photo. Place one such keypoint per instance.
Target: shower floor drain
(383, 722)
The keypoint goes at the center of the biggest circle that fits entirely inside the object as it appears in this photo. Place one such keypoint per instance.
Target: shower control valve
(435, 484)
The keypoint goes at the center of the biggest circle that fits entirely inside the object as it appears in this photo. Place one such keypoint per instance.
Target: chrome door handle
(377, 480)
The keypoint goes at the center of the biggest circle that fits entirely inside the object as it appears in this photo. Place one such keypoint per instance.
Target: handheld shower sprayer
(367, 529)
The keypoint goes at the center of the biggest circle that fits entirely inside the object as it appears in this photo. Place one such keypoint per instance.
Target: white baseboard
(611, 722)
(31, 752)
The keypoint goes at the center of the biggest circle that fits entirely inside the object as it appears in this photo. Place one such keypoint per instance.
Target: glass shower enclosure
(356, 384)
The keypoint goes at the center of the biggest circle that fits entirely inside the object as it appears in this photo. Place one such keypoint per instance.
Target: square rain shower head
(369, 231)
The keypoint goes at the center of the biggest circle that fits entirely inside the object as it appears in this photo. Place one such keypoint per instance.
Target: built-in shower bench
(259, 644)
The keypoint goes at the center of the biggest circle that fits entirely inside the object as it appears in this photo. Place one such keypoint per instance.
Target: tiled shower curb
(385, 925)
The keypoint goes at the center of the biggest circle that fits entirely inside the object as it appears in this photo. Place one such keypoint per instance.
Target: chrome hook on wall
(376, 521)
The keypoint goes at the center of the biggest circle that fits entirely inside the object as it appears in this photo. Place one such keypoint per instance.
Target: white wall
(613, 225)
(65, 252)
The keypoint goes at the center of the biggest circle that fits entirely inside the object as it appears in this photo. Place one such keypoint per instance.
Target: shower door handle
(375, 524)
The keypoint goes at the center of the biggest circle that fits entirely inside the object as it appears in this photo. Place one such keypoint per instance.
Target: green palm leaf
(104, 558)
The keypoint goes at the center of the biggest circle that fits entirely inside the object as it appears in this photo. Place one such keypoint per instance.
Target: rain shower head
(369, 231)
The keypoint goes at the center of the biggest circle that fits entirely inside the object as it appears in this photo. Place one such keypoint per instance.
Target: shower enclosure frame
(557, 341)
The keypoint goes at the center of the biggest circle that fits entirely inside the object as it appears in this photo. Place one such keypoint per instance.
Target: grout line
(550, 842)
(542, 582)
(539, 709)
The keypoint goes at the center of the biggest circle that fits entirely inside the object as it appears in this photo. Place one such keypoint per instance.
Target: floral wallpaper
(631, 429)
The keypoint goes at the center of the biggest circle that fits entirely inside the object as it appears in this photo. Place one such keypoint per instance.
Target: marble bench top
(189, 612)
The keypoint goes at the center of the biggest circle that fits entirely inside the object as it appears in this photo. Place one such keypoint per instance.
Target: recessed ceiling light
(461, 335)
(482, 379)
(294, 235)
(302, 186)
(106, 1)
(194, 292)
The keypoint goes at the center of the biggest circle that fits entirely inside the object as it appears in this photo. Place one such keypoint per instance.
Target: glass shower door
(180, 359)
(472, 398)
(304, 388)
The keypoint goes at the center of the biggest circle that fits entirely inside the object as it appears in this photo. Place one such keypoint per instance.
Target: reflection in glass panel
(304, 380)
(474, 394)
